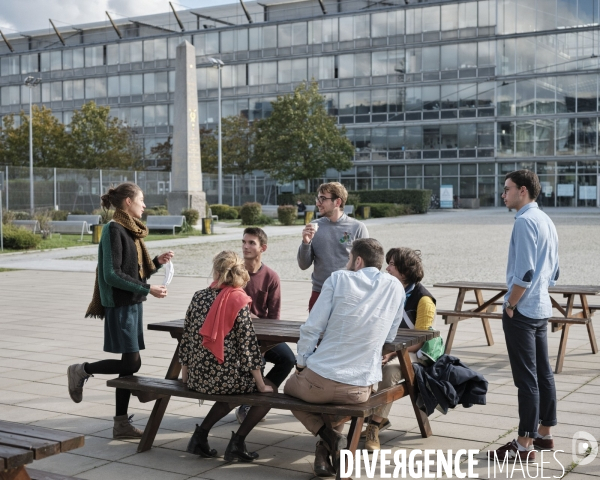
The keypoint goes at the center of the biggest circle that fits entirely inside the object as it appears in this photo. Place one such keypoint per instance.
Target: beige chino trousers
(313, 388)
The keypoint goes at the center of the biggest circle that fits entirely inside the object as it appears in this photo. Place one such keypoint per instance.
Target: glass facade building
(431, 92)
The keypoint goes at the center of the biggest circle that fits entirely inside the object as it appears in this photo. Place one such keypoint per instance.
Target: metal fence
(80, 190)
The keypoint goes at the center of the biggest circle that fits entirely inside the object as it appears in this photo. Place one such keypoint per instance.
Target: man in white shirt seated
(359, 310)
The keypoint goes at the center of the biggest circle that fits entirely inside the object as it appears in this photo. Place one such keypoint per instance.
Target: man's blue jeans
(283, 360)
(527, 344)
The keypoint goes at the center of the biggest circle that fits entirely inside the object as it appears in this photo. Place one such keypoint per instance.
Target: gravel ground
(456, 245)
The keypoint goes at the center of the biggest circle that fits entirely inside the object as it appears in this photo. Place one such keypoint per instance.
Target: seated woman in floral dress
(220, 355)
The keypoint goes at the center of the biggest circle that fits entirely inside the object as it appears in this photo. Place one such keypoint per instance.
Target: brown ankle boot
(123, 428)
(322, 466)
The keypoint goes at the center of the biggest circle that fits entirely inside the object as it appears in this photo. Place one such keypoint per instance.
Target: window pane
(269, 39)
(431, 19)
(299, 70)
(299, 34)
(361, 26)
(467, 55)
(137, 84)
(486, 54)
(112, 54)
(269, 72)
(113, 86)
(525, 97)
(135, 52)
(565, 93)
(284, 35)
(346, 29)
(449, 57)
(362, 65)
(124, 85)
(78, 89)
(148, 83)
(587, 95)
(160, 48)
(45, 61)
(379, 25)
(431, 98)
(285, 71)
(586, 136)
(161, 114)
(544, 134)
(161, 83)
(227, 41)
(149, 120)
(450, 16)
(467, 136)
(94, 56)
(431, 59)
(345, 66)
(413, 60)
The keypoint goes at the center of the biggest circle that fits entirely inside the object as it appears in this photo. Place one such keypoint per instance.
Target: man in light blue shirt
(532, 267)
(358, 310)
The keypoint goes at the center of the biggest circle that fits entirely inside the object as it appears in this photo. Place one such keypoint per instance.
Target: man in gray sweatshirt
(327, 242)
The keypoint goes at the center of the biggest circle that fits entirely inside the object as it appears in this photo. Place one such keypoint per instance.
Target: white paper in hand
(169, 272)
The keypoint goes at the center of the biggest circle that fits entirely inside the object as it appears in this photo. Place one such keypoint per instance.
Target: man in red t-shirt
(265, 290)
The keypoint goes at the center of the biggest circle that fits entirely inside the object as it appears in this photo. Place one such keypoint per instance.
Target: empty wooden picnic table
(22, 444)
(271, 333)
(571, 313)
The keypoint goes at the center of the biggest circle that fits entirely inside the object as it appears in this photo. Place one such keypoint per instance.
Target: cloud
(25, 15)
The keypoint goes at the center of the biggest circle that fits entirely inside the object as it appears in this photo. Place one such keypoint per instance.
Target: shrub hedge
(251, 213)
(309, 198)
(224, 212)
(159, 210)
(417, 199)
(380, 210)
(18, 238)
(191, 216)
(287, 214)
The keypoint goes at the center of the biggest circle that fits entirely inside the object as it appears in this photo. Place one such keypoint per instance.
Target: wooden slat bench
(331, 413)
(22, 444)
(165, 222)
(451, 317)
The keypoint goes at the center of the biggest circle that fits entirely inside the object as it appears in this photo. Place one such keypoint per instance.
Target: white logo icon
(584, 444)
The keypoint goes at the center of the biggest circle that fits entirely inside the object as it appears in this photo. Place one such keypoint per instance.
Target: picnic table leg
(353, 439)
(409, 377)
(450, 337)
(160, 407)
(590, 327)
(485, 321)
(19, 473)
(562, 349)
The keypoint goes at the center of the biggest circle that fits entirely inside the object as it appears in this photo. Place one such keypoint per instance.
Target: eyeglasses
(321, 199)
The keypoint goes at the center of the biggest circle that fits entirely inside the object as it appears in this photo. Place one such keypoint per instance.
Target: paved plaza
(42, 331)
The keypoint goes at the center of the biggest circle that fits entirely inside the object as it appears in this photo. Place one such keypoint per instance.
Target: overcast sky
(23, 15)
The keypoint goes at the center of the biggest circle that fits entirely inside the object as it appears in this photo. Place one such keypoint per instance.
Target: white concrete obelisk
(186, 170)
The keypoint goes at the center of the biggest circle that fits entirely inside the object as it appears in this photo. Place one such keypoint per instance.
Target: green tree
(50, 140)
(101, 141)
(163, 153)
(208, 150)
(300, 141)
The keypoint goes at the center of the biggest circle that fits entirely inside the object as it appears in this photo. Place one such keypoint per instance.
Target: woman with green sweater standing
(124, 265)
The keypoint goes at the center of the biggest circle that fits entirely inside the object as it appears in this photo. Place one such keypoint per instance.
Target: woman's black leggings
(129, 364)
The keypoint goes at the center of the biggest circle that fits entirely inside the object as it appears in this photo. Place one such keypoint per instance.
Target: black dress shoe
(322, 466)
(236, 449)
(199, 446)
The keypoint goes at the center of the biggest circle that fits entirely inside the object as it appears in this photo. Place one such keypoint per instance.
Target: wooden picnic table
(571, 313)
(22, 444)
(271, 333)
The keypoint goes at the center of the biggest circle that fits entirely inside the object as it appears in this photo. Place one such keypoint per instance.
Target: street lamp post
(31, 82)
(217, 63)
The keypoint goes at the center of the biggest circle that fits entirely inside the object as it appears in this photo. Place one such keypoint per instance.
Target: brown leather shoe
(543, 443)
(322, 466)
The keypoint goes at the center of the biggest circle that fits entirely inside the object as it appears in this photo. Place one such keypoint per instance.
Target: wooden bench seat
(355, 413)
(563, 305)
(449, 315)
(452, 317)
